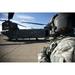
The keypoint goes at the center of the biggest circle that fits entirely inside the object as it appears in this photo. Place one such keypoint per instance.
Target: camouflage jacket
(59, 50)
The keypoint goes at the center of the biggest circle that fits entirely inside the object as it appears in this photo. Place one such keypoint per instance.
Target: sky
(43, 18)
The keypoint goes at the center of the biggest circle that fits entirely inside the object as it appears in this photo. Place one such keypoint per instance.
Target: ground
(20, 51)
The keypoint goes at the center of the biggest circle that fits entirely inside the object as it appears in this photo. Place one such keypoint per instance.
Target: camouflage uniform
(60, 50)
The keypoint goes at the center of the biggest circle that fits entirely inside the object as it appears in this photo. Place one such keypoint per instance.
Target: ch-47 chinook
(11, 30)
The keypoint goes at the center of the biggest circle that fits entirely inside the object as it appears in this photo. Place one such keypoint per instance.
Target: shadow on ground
(21, 42)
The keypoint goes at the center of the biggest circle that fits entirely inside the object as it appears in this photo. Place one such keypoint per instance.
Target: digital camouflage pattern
(59, 50)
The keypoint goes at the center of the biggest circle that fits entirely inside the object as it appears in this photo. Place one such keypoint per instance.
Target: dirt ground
(20, 51)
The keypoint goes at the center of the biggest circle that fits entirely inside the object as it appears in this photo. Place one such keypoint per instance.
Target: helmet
(62, 23)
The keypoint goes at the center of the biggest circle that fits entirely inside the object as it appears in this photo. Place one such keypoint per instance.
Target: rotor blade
(10, 15)
(34, 23)
(21, 25)
(17, 23)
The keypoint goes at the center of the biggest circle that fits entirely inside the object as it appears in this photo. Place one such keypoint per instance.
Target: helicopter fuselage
(12, 31)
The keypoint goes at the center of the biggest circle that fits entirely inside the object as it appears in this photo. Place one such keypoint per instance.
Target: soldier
(62, 46)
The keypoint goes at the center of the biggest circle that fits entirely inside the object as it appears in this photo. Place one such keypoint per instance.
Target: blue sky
(43, 18)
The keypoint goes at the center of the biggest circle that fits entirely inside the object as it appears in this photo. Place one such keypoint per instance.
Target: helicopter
(11, 30)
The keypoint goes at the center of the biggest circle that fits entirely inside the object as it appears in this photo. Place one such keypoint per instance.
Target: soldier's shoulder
(70, 41)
